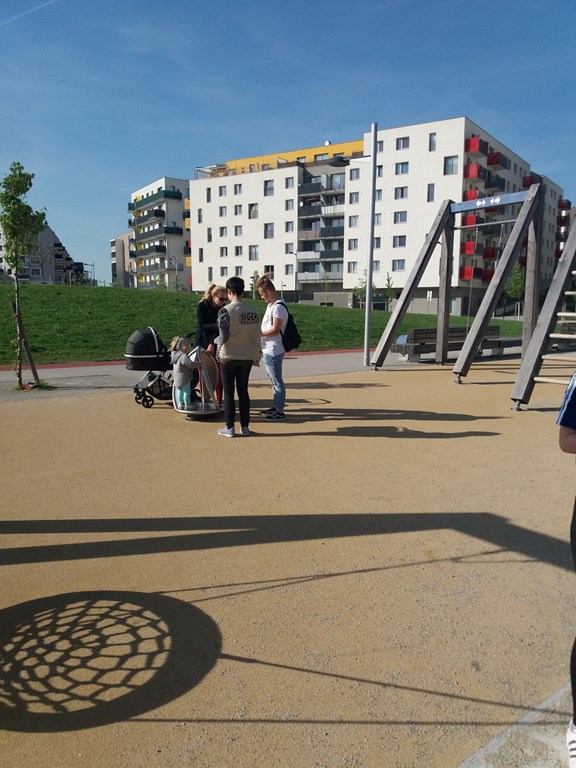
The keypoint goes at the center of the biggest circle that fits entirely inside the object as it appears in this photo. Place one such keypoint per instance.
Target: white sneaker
(225, 432)
(246, 432)
(571, 744)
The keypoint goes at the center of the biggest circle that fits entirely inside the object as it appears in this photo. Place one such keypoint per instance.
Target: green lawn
(79, 323)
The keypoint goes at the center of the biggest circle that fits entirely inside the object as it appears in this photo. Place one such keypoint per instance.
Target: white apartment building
(158, 252)
(48, 263)
(307, 221)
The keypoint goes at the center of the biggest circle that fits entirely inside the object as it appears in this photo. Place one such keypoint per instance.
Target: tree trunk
(18, 367)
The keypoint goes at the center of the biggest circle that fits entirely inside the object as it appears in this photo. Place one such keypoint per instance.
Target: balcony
(490, 252)
(151, 249)
(476, 147)
(558, 252)
(534, 178)
(158, 232)
(163, 194)
(471, 219)
(470, 248)
(496, 161)
(475, 172)
(331, 210)
(308, 256)
(495, 183)
(156, 215)
(563, 221)
(470, 273)
(330, 232)
(308, 234)
(335, 254)
(309, 210)
(320, 277)
(187, 250)
(470, 194)
(564, 205)
(487, 275)
(310, 189)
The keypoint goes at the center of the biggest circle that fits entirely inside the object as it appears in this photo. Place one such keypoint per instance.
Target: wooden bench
(421, 341)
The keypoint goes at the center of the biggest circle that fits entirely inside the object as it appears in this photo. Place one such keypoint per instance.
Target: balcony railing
(533, 178)
(335, 254)
(309, 210)
(308, 234)
(332, 210)
(329, 232)
(158, 232)
(564, 205)
(156, 215)
(320, 277)
(163, 194)
(470, 273)
(476, 147)
(308, 255)
(313, 188)
(475, 172)
(470, 248)
(497, 161)
(150, 250)
(495, 183)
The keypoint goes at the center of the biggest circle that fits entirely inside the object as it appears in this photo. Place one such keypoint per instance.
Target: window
(430, 193)
(199, 215)
(323, 156)
(431, 142)
(353, 244)
(223, 210)
(289, 248)
(378, 197)
(268, 188)
(208, 194)
(400, 216)
(379, 146)
(223, 231)
(289, 226)
(354, 174)
(376, 266)
(238, 250)
(210, 274)
(223, 271)
(400, 193)
(269, 270)
(252, 210)
(450, 165)
(200, 255)
(403, 143)
(401, 168)
(377, 242)
(238, 230)
(238, 271)
(379, 171)
(252, 253)
(268, 231)
(237, 189)
(377, 219)
(237, 210)
(223, 252)
(352, 267)
(289, 182)
(398, 265)
(289, 205)
(221, 191)
(209, 234)
(352, 221)
(399, 241)
(354, 197)
(337, 181)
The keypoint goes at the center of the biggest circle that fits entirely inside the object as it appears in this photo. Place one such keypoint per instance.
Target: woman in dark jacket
(207, 316)
(207, 326)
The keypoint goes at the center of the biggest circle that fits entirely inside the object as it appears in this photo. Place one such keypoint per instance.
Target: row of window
(268, 188)
(398, 265)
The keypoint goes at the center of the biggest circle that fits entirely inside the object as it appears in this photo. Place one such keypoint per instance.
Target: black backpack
(291, 339)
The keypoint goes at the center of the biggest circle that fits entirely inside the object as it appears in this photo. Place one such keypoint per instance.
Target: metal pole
(369, 268)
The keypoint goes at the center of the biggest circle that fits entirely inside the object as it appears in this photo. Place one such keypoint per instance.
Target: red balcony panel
(466, 273)
(558, 252)
(476, 146)
(522, 261)
(497, 161)
(470, 194)
(564, 204)
(475, 172)
(534, 178)
(468, 220)
(487, 275)
(490, 252)
(563, 221)
(470, 248)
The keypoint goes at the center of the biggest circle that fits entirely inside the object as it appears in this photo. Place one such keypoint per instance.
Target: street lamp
(341, 162)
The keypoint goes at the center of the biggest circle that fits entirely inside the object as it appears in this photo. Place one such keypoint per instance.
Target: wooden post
(444, 291)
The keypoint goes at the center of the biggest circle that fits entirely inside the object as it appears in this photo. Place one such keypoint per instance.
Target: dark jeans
(235, 374)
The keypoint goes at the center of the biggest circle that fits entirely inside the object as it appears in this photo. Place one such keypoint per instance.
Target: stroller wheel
(138, 398)
(147, 401)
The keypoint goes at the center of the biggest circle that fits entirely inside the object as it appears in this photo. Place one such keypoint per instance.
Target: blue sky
(101, 97)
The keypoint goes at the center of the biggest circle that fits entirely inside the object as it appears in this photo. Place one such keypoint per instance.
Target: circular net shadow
(84, 659)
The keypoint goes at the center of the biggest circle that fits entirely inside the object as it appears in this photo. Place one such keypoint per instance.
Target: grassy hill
(80, 323)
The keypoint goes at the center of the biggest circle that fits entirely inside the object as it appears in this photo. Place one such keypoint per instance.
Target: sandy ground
(382, 580)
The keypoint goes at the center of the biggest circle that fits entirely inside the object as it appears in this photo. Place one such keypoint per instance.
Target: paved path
(382, 580)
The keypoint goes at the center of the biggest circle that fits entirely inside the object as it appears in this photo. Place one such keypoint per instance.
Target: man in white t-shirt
(273, 324)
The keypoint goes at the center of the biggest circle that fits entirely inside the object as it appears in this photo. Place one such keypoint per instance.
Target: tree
(21, 226)
(515, 286)
(388, 291)
(360, 290)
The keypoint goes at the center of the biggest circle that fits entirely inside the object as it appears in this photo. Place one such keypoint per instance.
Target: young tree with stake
(21, 226)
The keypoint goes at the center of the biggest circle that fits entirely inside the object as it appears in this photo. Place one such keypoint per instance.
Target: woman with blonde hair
(207, 310)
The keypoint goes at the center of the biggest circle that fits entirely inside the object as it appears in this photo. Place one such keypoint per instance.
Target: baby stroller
(145, 351)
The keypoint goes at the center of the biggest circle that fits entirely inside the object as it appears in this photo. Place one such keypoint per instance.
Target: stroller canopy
(146, 351)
